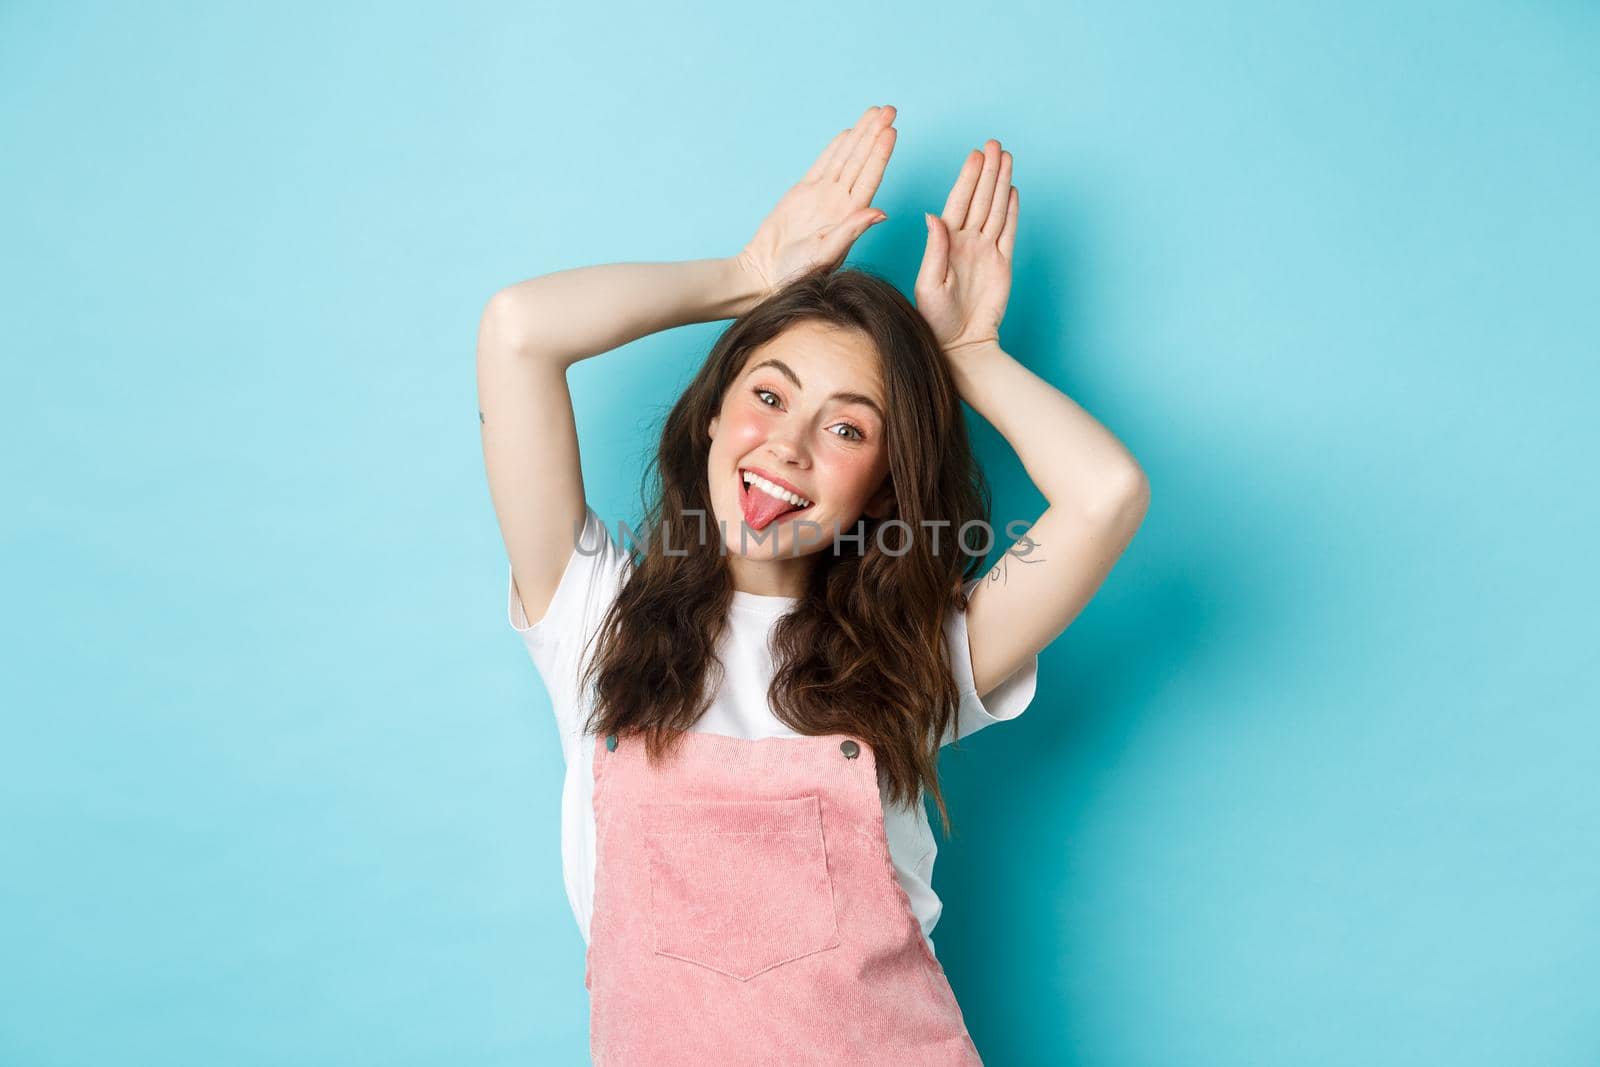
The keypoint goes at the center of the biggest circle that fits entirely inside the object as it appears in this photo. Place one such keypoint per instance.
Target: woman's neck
(783, 578)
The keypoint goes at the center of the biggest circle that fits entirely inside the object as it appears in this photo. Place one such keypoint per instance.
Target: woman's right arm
(530, 333)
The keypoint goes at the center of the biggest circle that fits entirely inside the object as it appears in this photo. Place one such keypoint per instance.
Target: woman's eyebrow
(849, 398)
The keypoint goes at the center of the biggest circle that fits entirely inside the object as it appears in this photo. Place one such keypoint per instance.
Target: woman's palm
(965, 280)
(820, 217)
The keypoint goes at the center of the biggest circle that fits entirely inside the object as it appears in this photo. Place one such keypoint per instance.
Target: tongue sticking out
(761, 508)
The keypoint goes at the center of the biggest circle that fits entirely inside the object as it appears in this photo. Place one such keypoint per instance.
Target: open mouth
(763, 502)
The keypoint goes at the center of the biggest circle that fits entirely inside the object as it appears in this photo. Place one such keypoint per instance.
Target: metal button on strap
(611, 742)
(850, 749)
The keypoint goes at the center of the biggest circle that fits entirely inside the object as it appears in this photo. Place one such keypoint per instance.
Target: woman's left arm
(1098, 494)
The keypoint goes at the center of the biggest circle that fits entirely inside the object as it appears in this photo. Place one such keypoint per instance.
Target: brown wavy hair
(863, 651)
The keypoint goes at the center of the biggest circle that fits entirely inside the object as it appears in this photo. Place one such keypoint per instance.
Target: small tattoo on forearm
(480, 418)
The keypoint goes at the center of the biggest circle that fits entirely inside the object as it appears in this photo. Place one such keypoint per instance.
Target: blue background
(1313, 779)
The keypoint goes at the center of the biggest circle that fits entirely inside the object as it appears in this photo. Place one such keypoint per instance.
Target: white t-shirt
(594, 574)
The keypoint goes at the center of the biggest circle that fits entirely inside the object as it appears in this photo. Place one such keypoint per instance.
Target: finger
(866, 146)
(983, 193)
(848, 149)
(836, 245)
(826, 156)
(841, 145)
(1002, 198)
(1008, 233)
(864, 186)
(955, 206)
(936, 256)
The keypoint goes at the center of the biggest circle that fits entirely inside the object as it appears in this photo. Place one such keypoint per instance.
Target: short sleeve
(594, 574)
(1006, 701)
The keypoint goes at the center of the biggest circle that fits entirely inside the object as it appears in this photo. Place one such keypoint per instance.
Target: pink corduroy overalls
(746, 912)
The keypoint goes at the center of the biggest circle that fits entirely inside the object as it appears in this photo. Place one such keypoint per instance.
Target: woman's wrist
(973, 351)
(969, 363)
(741, 287)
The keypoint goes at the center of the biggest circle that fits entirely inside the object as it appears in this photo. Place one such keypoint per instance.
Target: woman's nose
(787, 450)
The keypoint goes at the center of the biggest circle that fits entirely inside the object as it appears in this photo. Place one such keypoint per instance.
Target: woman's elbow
(507, 325)
(1126, 499)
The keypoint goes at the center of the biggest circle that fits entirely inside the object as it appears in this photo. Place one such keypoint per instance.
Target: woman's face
(805, 413)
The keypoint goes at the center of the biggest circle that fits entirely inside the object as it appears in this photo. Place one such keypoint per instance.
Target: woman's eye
(854, 434)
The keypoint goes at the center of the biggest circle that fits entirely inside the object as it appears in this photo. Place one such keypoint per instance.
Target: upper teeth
(775, 490)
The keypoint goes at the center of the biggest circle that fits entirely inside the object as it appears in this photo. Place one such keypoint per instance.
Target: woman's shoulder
(560, 641)
(1006, 701)
(595, 570)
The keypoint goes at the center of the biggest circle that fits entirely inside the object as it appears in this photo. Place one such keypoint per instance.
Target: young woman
(752, 710)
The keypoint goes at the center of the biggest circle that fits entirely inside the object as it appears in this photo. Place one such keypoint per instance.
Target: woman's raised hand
(965, 279)
(818, 219)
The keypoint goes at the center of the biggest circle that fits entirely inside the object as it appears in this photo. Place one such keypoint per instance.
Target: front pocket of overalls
(739, 886)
